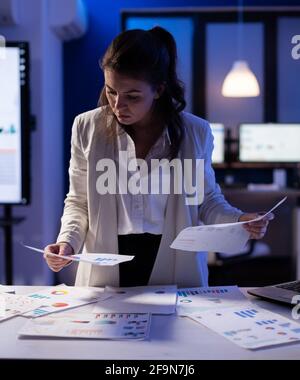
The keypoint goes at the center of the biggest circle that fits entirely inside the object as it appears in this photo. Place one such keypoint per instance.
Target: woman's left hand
(257, 229)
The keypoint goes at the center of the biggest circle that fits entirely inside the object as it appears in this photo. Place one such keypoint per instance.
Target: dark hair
(150, 56)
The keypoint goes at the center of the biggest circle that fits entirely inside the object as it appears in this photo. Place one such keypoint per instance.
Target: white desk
(171, 337)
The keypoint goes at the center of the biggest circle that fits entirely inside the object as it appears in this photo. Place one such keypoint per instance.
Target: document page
(139, 299)
(250, 326)
(89, 325)
(228, 238)
(100, 259)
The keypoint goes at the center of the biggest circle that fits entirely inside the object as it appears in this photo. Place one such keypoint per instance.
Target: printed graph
(266, 322)
(39, 312)
(99, 260)
(39, 296)
(188, 293)
(248, 313)
(59, 292)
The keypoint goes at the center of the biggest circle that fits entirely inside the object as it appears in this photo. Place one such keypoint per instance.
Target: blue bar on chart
(268, 322)
(186, 293)
(39, 296)
(246, 313)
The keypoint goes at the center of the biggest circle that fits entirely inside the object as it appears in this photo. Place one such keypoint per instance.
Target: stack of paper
(89, 325)
(140, 299)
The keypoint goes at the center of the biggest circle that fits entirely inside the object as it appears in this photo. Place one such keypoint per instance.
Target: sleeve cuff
(74, 241)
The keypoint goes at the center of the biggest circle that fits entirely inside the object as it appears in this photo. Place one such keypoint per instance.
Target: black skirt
(144, 247)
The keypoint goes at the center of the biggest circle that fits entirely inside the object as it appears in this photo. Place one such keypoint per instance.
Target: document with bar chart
(194, 300)
(90, 326)
(250, 326)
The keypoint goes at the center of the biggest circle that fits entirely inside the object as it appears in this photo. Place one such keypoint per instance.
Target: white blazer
(89, 220)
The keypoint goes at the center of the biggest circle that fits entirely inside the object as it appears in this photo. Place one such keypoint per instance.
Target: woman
(141, 116)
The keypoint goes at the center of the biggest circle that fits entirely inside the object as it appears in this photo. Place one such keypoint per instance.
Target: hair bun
(163, 35)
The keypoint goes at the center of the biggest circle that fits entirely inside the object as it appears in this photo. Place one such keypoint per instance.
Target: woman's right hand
(60, 249)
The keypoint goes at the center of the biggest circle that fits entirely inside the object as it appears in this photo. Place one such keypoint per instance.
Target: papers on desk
(194, 300)
(12, 305)
(222, 309)
(60, 298)
(89, 325)
(228, 238)
(123, 313)
(227, 311)
(100, 259)
(139, 299)
(250, 326)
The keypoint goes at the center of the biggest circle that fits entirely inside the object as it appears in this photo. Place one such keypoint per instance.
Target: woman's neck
(147, 131)
(144, 136)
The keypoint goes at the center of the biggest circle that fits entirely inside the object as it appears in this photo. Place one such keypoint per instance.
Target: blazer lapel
(105, 209)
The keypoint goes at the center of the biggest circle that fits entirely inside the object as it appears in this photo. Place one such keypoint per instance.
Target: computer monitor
(14, 123)
(218, 131)
(269, 143)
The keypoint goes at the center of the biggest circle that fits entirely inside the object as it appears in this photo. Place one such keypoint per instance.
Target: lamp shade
(240, 82)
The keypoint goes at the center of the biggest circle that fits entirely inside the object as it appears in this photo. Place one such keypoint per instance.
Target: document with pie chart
(62, 297)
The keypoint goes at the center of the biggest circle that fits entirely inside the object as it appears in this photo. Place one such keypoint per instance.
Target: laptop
(283, 293)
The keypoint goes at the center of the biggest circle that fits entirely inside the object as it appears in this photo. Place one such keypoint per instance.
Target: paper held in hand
(228, 238)
(100, 259)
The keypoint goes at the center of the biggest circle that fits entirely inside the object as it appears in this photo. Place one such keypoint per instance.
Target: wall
(83, 78)
(43, 214)
(221, 53)
(288, 73)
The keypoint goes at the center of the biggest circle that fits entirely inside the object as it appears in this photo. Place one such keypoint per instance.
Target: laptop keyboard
(295, 286)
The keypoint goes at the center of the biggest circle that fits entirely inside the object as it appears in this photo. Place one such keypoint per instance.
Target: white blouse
(140, 213)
